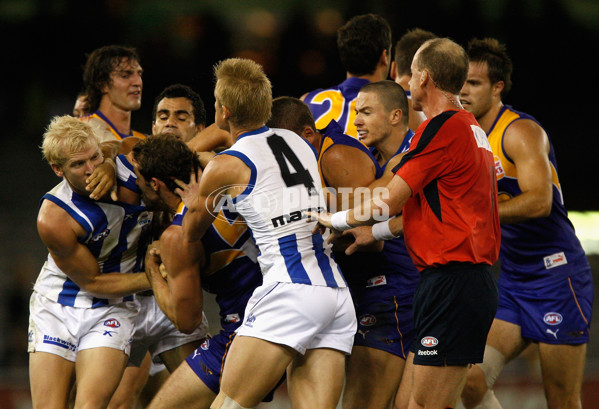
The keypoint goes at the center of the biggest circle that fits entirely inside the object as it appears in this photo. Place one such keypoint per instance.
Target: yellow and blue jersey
(105, 129)
(544, 249)
(337, 103)
(231, 271)
(394, 262)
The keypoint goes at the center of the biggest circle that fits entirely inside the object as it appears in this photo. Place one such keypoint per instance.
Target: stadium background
(45, 42)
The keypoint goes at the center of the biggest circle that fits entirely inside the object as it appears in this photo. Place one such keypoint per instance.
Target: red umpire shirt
(452, 214)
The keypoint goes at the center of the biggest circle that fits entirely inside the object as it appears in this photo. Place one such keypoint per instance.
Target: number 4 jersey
(284, 182)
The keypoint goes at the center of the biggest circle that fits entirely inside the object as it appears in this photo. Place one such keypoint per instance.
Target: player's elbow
(189, 318)
(93, 286)
(544, 211)
(543, 207)
(189, 325)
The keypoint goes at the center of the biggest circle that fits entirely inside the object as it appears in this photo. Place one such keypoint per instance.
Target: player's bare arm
(369, 211)
(388, 174)
(209, 139)
(60, 233)
(179, 297)
(224, 175)
(346, 167)
(527, 145)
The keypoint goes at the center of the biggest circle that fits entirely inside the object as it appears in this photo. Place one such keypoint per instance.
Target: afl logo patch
(112, 323)
(429, 342)
(205, 345)
(553, 318)
(367, 320)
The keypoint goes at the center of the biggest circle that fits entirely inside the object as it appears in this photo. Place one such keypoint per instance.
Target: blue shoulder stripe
(84, 223)
(250, 165)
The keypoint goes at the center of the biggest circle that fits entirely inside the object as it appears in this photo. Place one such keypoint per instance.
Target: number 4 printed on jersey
(283, 154)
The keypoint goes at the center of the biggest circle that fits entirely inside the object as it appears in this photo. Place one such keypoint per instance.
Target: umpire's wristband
(339, 221)
(381, 231)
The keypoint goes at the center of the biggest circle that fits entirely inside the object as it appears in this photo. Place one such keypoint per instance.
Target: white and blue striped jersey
(125, 175)
(284, 183)
(113, 235)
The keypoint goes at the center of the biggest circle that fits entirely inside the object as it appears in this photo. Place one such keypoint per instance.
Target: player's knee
(492, 365)
(474, 388)
(559, 399)
(481, 377)
(489, 401)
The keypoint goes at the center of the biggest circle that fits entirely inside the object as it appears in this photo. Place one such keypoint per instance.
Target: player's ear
(155, 184)
(226, 112)
(384, 59)
(308, 133)
(395, 116)
(311, 136)
(498, 88)
(393, 71)
(57, 169)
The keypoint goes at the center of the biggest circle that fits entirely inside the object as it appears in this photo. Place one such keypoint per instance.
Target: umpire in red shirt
(445, 185)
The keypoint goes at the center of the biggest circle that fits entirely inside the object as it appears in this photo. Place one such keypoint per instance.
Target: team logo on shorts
(232, 318)
(376, 281)
(553, 318)
(205, 345)
(112, 323)
(367, 320)
(249, 321)
(429, 342)
(554, 260)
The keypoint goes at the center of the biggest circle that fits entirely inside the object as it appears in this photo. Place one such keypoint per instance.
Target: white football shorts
(64, 331)
(301, 316)
(154, 332)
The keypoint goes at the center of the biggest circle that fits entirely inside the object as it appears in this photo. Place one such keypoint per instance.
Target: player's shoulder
(55, 224)
(173, 234)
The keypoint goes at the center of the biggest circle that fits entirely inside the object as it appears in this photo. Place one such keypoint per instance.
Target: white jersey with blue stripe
(113, 232)
(284, 182)
(125, 174)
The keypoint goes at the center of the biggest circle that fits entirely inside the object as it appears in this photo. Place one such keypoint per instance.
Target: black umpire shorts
(454, 306)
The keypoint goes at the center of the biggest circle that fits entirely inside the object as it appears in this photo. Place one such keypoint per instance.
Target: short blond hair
(64, 135)
(243, 87)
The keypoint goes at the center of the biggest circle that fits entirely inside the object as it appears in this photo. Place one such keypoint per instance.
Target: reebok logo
(433, 352)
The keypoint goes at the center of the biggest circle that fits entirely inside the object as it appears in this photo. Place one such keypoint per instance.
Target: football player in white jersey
(179, 111)
(302, 318)
(82, 311)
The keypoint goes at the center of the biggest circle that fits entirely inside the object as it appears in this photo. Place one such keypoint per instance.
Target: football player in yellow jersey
(364, 45)
(112, 78)
(545, 282)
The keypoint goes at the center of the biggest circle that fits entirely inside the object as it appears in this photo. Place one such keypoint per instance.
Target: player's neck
(174, 205)
(236, 131)
(404, 82)
(388, 147)
(120, 119)
(487, 120)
